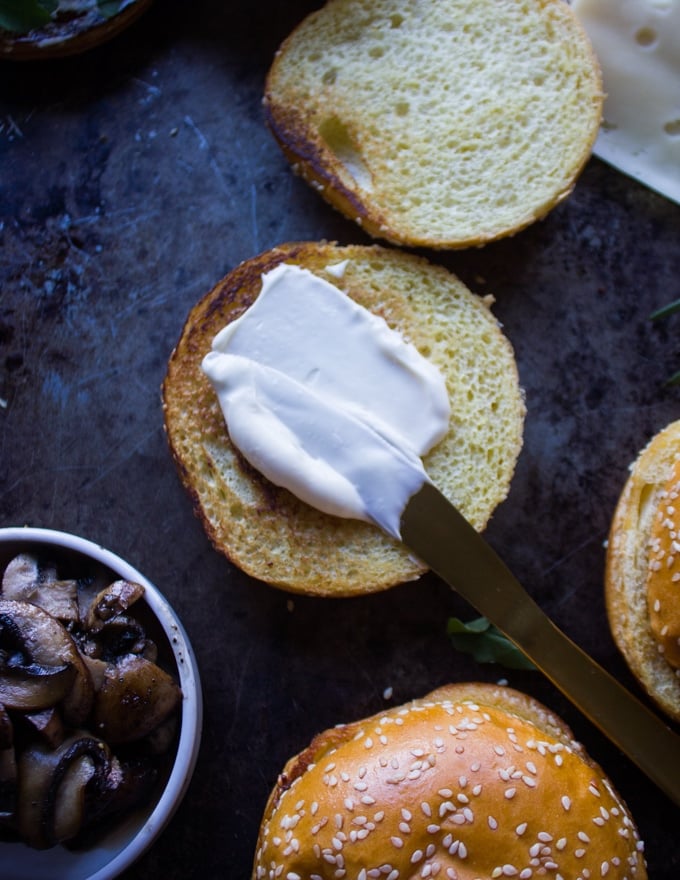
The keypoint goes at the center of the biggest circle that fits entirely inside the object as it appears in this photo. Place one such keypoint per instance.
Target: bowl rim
(192, 704)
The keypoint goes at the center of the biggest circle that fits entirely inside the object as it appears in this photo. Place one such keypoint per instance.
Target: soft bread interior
(444, 124)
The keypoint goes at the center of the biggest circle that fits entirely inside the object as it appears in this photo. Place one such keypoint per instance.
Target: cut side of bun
(645, 501)
(442, 125)
(265, 530)
(472, 782)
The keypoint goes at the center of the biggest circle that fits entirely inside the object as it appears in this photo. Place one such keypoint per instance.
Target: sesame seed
(510, 793)
(445, 792)
(433, 829)
(525, 874)
(566, 802)
(544, 837)
(417, 856)
(509, 870)
(519, 831)
(493, 824)
(425, 807)
(579, 853)
(397, 841)
(404, 828)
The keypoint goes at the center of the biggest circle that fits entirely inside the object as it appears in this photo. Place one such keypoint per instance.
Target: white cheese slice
(638, 45)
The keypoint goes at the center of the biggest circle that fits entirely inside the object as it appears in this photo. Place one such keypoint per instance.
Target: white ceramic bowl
(134, 834)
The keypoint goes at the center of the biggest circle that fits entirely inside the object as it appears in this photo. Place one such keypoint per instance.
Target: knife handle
(437, 532)
(626, 721)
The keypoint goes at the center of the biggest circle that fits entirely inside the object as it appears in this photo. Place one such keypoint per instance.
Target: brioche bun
(472, 782)
(440, 125)
(264, 529)
(642, 573)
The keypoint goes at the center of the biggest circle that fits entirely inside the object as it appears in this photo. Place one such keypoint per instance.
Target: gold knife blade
(441, 536)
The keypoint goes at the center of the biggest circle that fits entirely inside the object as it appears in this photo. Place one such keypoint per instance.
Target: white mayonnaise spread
(324, 399)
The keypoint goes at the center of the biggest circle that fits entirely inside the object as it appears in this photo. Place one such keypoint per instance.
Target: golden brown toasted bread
(642, 584)
(443, 125)
(471, 782)
(268, 532)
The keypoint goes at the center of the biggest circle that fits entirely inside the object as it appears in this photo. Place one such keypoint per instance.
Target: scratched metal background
(131, 180)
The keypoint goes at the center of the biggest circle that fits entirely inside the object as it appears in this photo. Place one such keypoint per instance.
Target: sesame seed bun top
(469, 783)
(663, 578)
(642, 574)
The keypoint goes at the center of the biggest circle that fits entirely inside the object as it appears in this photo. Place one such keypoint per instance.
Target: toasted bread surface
(268, 532)
(443, 125)
(630, 551)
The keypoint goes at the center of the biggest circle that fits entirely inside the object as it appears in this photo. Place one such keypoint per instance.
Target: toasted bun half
(268, 532)
(642, 574)
(443, 125)
(472, 782)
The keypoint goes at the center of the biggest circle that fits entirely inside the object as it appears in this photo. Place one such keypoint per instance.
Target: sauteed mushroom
(78, 676)
(134, 699)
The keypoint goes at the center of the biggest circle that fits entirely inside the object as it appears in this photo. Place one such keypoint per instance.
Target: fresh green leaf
(666, 310)
(486, 643)
(109, 8)
(21, 16)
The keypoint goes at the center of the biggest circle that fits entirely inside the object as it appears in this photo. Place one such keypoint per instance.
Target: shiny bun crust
(472, 782)
(645, 497)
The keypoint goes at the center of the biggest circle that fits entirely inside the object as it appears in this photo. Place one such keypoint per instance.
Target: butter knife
(444, 540)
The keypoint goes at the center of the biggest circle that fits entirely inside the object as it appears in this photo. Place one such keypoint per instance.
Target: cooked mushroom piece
(135, 697)
(40, 664)
(26, 580)
(51, 794)
(62, 792)
(120, 636)
(20, 580)
(8, 768)
(6, 729)
(48, 724)
(112, 601)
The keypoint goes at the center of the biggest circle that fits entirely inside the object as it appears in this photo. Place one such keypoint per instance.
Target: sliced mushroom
(135, 697)
(6, 729)
(43, 643)
(25, 580)
(31, 687)
(112, 601)
(8, 785)
(51, 793)
(48, 724)
(120, 636)
(20, 580)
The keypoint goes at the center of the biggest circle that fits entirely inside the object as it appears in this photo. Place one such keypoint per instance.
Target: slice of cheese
(638, 45)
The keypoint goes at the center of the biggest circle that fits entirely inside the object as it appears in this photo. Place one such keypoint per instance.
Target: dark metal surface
(131, 180)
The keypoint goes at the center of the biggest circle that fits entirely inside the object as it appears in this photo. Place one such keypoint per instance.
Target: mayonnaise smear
(325, 399)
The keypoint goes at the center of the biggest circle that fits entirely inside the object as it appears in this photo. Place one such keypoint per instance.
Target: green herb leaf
(109, 8)
(21, 16)
(486, 643)
(666, 310)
